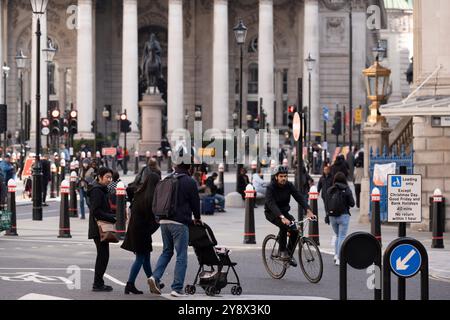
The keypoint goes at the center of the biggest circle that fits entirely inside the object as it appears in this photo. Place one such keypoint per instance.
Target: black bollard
(54, 182)
(62, 171)
(73, 211)
(226, 161)
(438, 220)
(375, 221)
(249, 232)
(120, 211)
(64, 220)
(313, 232)
(136, 162)
(12, 208)
(221, 179)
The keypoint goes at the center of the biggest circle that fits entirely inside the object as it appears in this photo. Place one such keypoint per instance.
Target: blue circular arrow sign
(405, 261)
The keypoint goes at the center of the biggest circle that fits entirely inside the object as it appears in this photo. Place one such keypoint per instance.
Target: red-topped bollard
(12, 185)
(438, 220)
(121, 210)
(249, 232)
(64, 219)
(313, 231)
(375, 221)
(54, 181)
(73, 211)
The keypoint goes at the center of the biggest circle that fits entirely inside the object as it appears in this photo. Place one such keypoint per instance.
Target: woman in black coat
(141, 226)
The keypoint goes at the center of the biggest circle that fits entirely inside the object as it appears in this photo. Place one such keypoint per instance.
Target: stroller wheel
(233, 290)
(210, 291)
(217, 291)
(189, 289)
(238, 291)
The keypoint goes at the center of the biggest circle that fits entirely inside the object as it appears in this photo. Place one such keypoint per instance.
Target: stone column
(266, 58)
(359, 58)
(175, 72)
(311, 46)
(43, 75)
(85, 70)
(221, 86)
(1, 47)
(279, 96)
(130, 63)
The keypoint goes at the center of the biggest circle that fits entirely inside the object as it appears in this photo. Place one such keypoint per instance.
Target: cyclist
(276, 209)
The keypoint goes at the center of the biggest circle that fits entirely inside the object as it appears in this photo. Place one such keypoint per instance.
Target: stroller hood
(201, 236)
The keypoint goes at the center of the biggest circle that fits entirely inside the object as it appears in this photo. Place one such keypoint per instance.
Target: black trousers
(101, 262)
(44, 190)
(282, 234)
(358, 193)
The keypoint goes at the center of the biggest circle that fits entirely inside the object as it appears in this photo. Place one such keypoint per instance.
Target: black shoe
(102, 288)
(284, 255)
(293, 263)
(45, 205)
(130, 288)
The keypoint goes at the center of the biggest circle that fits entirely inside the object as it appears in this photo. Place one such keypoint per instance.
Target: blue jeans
(176, 237)
(142, 260)
(221, 199)
(340, 228)
(82, 197)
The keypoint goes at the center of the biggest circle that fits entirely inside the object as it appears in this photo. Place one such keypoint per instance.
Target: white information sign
(405, 198)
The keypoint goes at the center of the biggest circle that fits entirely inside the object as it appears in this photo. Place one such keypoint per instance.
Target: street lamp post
(310, 63)
(106, 114)
(5, 76)
(21, 61)
(240, 32)
(39, 7)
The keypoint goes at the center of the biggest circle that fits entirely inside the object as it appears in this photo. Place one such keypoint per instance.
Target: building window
(253, 78)
(384, 45)
(253, 45)
(285, 81)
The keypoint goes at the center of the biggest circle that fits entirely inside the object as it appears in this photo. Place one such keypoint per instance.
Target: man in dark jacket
(175, 232)
(340, 165)
(46, 178)
(325, 183)
(214, 191)
(278, 197)
(100, 211)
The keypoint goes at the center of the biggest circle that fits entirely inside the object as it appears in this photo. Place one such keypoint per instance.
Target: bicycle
(310, 258)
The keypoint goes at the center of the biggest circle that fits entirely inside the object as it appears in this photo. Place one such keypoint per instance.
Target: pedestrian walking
(46, 178)
(100, 211)
(340, 165)
(325, 183)
(7, 172)
(87, 177)
(358, 176)
(339, 204)
(175, 232)
(112, 191)
(140, 229)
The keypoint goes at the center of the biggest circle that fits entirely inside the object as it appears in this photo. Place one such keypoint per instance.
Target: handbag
(107, 232)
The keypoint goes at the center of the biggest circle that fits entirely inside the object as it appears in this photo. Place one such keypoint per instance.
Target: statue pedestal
(151, 106)
(375, 136)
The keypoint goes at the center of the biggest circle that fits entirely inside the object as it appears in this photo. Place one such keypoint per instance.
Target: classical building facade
(100, 45)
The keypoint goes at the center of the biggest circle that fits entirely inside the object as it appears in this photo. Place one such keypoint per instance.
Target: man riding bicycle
(276, 209)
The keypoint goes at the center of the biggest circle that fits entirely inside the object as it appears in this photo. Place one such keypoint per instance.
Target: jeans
(101, 262)
(176, 237)
(221, 200)
(82, 197)
(142, 260)
(340, 228)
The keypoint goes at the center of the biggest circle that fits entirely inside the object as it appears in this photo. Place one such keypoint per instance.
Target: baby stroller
(202, 239)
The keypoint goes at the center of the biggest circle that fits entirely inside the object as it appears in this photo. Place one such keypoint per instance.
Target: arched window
(253, 78)
(253, 45)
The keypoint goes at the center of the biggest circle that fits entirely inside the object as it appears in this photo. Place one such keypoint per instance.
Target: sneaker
(293, 263)
(154, 286)
(337, 262)
(335, 258)
(102, 288)
(178, 294)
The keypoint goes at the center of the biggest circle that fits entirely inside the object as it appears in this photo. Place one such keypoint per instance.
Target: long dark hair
(340, 178)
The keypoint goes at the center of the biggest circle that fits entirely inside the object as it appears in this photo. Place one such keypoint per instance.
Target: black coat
(340, 165)
(278, 199)
(325, 183)
(99, 208)
(142, 222)
(46, 171)
(242, 184)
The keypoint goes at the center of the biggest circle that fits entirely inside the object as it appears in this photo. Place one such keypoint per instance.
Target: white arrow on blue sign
(326, 114)
(405, 260)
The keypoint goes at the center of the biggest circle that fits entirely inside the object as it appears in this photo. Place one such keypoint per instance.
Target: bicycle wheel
(310, 260)
(270, 253)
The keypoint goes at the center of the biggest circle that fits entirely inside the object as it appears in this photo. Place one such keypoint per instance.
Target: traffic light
(73, 122)
(337, 125)
(125, 124)
(291, 111)
(55, 123)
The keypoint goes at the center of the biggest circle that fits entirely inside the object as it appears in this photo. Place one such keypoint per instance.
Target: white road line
(203, 296)
(45, 241)
(36, 296)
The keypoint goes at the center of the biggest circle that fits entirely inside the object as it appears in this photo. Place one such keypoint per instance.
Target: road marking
(243, 297)
(45, 241)
(35, 296)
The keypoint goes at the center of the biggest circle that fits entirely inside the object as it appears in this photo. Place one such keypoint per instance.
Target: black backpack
(165, 197)
(337, 201)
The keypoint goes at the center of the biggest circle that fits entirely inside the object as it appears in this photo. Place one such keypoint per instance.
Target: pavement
(228, 228)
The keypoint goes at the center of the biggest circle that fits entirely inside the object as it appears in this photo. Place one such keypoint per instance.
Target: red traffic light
(73, 114)
(292, 109)
(56, 113)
